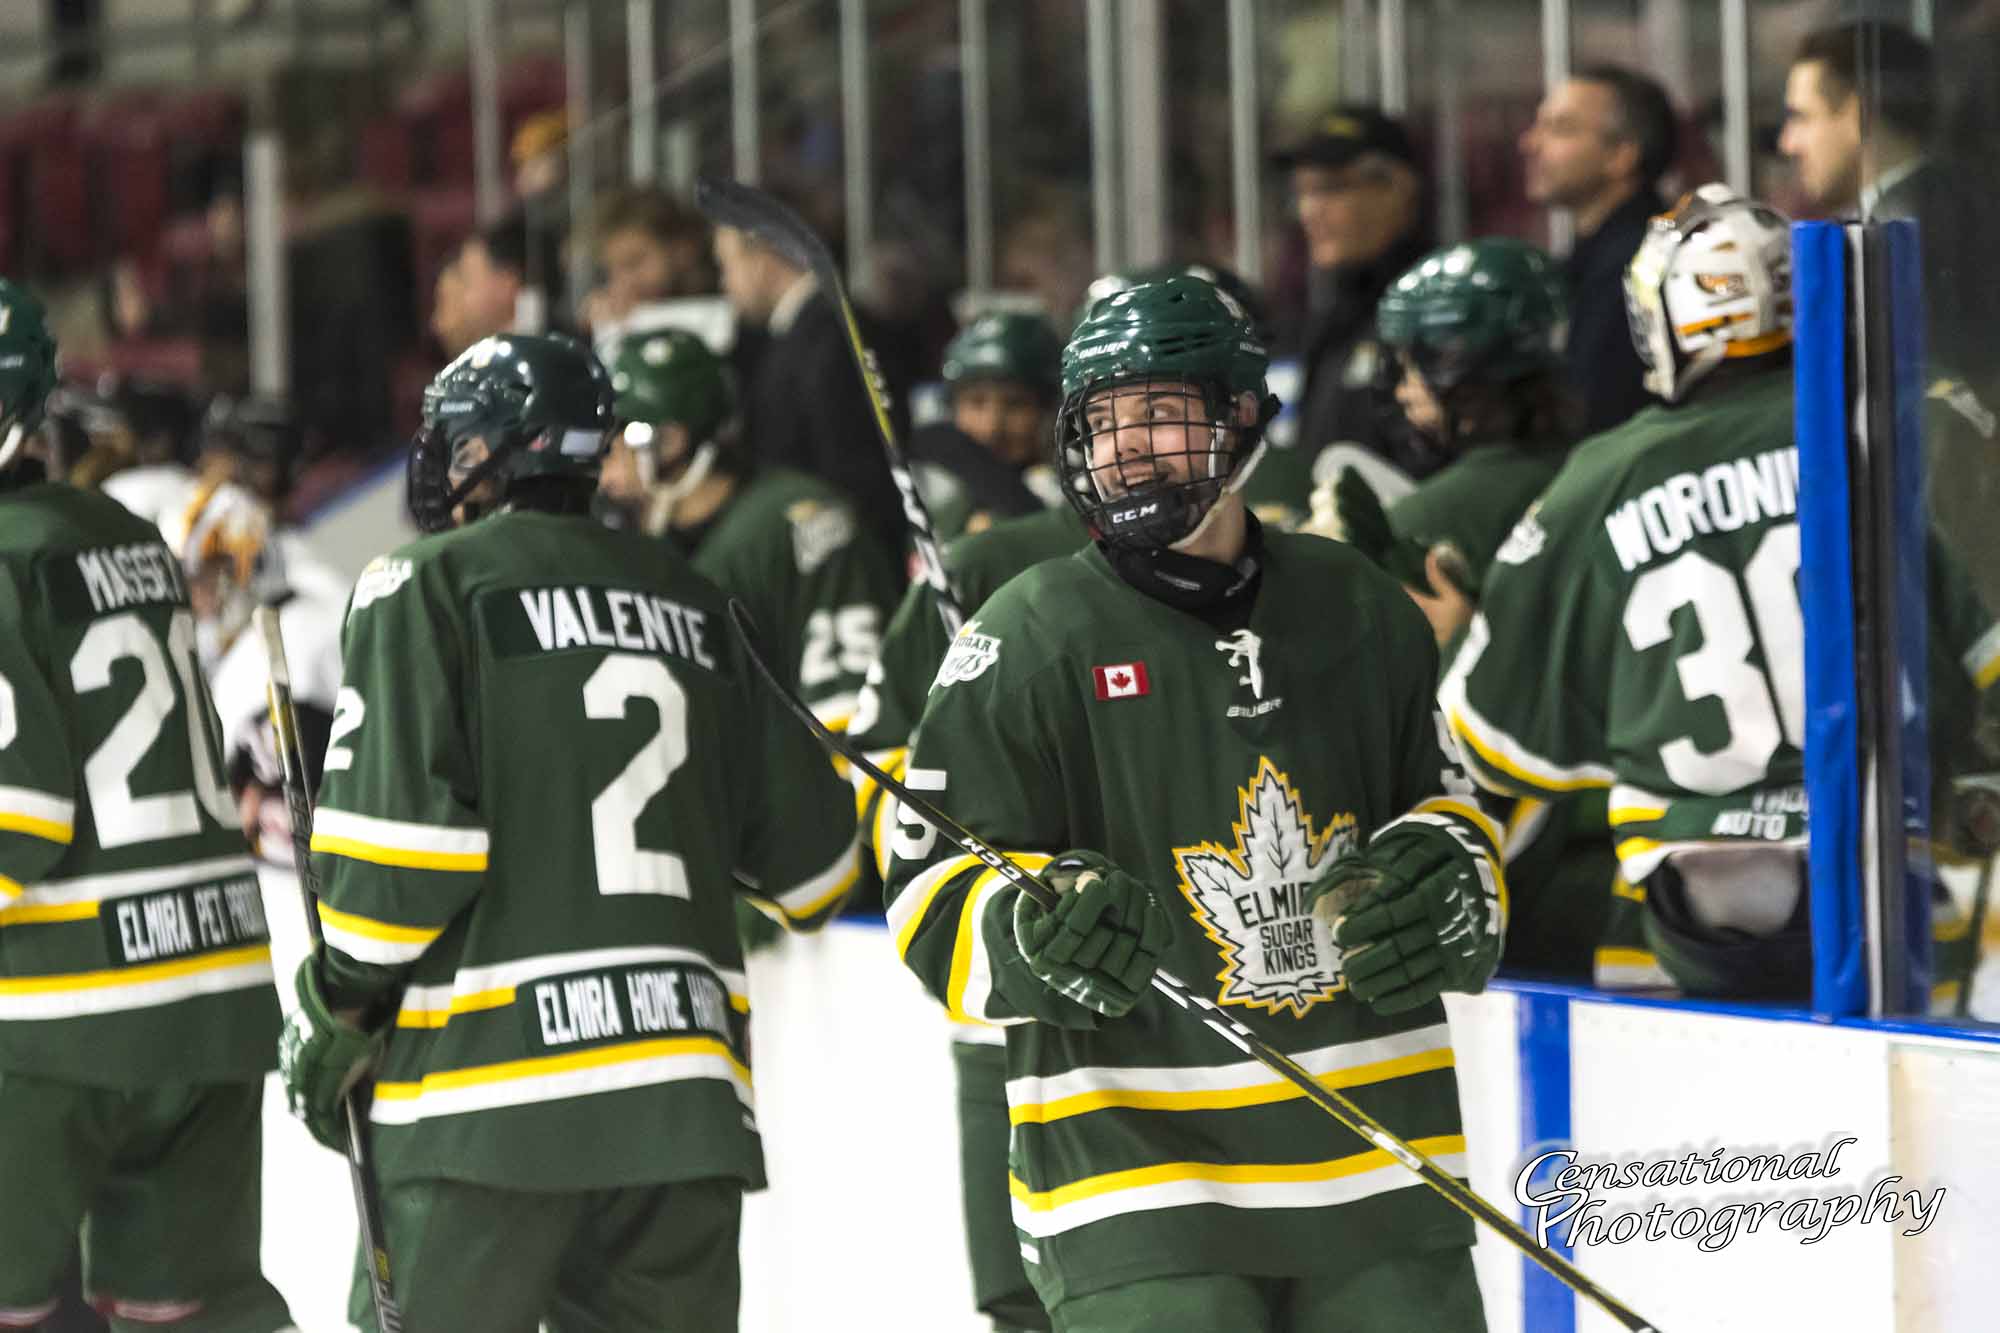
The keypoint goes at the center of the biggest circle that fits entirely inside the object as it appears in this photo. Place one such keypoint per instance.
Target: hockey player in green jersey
(137, 1014)
(1640, 630)
(1223, 742)
(891, 704)
(1476, 331)
(550, 773)
(783, 542)
(989, 460)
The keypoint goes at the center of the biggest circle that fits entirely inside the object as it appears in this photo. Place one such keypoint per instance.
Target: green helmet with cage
(27, 367)
(1007, 345)
(1489, 311)
(542, 407)
(1179, 354)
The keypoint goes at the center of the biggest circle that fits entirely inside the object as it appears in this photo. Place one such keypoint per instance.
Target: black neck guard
(1188, 582)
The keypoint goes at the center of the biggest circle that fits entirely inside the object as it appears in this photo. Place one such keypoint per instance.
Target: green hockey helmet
(542, 406)
(1488, 311)
(1189, 335)
(1007, 345)
(671, 376)
(27, 367)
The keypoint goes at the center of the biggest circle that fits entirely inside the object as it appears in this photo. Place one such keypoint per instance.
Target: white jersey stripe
(607, 1069)
(399, 834)
(1244, 1074)
(34, 808)
(228, 972)
(369, 949)
(1042, 1218)
(131, 883)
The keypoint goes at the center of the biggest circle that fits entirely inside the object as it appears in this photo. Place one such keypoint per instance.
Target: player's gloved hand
(1365, 525)
(320, 1057)
(1415, 913)
(1101, 943)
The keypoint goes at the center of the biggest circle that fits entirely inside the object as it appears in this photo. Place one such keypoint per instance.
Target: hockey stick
(1206, 1011)
(748, 209)
(361, 1166)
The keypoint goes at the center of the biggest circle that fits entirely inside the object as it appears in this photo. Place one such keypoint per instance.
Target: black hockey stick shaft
(1209, 1014)
(360, 1163)
(733, 204)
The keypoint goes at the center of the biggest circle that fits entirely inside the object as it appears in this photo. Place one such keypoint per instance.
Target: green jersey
(893, 700)
(1640, 631)
(1224, 770)
(549, 770)
(133, 949)
(786, 545)
(1474, 501)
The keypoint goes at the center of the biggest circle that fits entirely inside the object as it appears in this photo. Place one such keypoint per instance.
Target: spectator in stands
(448, 323)
(806, 408)
(1876, 161)
(540, 164)
(1601, 141)
(508, 277)
(1360, 200)
(649, 247)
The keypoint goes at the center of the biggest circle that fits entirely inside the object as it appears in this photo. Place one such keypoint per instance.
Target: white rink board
(861, 1228)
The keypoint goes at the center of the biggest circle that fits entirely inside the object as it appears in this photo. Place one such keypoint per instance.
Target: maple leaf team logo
(1249, 898)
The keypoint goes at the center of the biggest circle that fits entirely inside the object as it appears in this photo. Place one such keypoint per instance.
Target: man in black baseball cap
(1359, 196)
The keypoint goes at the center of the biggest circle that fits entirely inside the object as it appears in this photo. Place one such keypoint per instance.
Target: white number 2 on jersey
(1759, 709)
(121, 817)
(622, 866)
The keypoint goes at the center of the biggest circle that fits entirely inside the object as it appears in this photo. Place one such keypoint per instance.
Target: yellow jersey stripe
(131, 976)
(1493, 758)
(355, 850)
(906, 914)
(48, 830)
(964, 949)
(9, 890)
(1233, 1173)
(1465, 810)
(1226, 1099)
(1636, 814)
(35, 914)
(536, 1066)
(378, 930)
(460, 1004)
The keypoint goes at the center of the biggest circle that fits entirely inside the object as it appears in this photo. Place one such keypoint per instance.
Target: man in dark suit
(1858, 109)
(806, 407)
(1358, 195)
(1599, 145)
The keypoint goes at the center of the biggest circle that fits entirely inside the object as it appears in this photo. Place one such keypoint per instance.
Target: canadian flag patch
(1121, 680)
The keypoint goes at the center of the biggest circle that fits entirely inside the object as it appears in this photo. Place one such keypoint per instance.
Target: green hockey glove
(1101, 943)
(320, 1058)
(1366, 525)
(1415, 914)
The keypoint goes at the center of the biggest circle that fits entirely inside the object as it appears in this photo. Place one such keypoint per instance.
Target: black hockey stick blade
(298, 802)
(748, 209)
(1205, 1011)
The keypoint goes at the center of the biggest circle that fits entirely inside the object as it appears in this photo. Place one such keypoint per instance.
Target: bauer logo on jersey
(1121, 680)
(382, 577)
(1248, 898)
(971, 653)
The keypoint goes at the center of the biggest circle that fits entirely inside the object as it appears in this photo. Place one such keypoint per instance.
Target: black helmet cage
(433, 496)
(1128, 500)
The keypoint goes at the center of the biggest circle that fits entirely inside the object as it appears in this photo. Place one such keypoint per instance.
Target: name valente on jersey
(175, 923)
(613, 1003)
(636, 622)
(121, 576)
(1723, 498)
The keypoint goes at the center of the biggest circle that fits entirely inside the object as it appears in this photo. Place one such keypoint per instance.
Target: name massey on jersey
(121, 576)
(601, 1006)
(1721, 498)
(616, 618)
